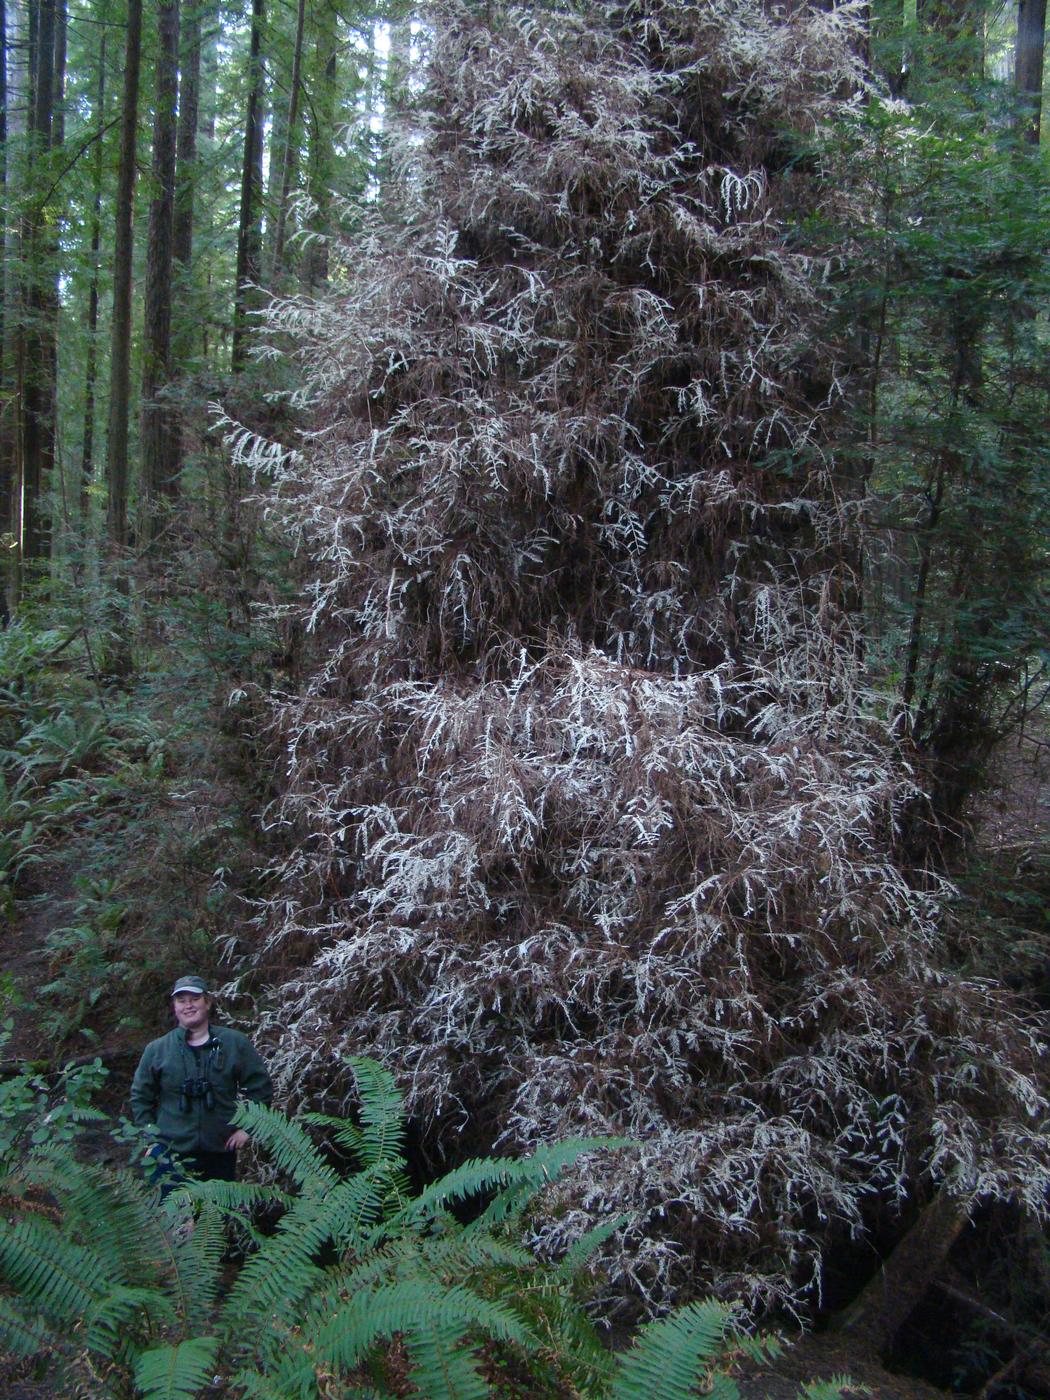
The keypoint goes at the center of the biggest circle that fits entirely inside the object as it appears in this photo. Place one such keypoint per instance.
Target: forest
(525, 568)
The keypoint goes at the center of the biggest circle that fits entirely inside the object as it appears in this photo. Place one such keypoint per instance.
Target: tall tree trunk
(291, 149)
(886, 1302)
(249, 224)
(1028, 62)
(186, 317)
(41, 309)
(314, 272)
(6, 460)
(58, 123)
(159, 463)
(87, 441)
(120, 354)
(13, 159)
(53, 287)
(186, 141)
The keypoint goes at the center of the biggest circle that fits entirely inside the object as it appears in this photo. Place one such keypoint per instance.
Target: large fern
(99, 1274)
(178, 1371)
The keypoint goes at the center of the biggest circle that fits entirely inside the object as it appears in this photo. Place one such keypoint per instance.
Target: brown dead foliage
(591, 821)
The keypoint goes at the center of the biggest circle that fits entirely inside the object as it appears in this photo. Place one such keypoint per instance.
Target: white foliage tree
(591, 822)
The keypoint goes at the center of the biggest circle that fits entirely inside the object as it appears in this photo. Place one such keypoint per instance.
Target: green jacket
(188, 1123)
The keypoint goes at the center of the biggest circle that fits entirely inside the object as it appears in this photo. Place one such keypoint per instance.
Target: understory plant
(121, 820)
(361, 1287)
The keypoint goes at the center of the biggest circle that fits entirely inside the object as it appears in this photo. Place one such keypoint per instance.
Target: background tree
(159, 439)
(1028, 63)
(941, 307)
(117, 465)
(249, 223)
(38, 328)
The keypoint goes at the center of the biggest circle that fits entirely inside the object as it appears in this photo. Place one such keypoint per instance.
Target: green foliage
(176, 1372)
(666, 1357)
(943, 300)
(357, 1286)
(120, 803)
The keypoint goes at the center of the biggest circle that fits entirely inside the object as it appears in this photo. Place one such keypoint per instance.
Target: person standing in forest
(187, 1085)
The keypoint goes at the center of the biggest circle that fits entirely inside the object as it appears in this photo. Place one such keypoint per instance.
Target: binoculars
(193, 1090)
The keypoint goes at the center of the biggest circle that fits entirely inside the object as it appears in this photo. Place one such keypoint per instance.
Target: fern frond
(238, 1197)
(670, 1355)
(579, 1252)
(413, 1306)
(831, 1388)
(571, 1346)
(340, 1130)
(176, 1372)
(520, 1177)
(282, 1272)
(198, 1260)
(23, 1334)
(441, 1368)
(112, 1320)
(257, 1386)
(463, 1252)
(63, 1278)
(288, 1145)
(382, 1116)
(111, 1208)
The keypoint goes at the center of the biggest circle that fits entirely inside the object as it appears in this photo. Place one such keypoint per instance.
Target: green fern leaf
(176, 1372)
(670, 1355)
(440, 1368)
(422, 1311)
(111, 1209)
(22, 1334)
(281, 1272)
(198, 1269)
(113, 1318)
(521, 1177)
(63, 1278)
(580, 1252)
(382, 1119)
(721, 1387)
(288, 1145)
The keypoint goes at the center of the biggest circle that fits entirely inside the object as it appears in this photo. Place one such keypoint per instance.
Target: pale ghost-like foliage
(590, 821)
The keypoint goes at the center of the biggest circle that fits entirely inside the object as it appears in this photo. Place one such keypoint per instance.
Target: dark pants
(168, 1170)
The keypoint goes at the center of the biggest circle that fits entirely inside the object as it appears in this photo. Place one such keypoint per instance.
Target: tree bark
(120, 354)
(314, 272)
(291, 148)
(6, 457)
(159, 440)
(15, 181)
(87, 441)
(37, 360)
(1028, 63)
(885, 1303)
(186, 141)
(249, 224)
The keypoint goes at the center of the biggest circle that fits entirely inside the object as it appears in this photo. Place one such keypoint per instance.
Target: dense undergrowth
(126, 811)
(360, 1289)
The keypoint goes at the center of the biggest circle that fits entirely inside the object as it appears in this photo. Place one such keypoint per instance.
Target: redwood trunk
(249, 229)
(1028, 69)
(120, 356)
(159, 463)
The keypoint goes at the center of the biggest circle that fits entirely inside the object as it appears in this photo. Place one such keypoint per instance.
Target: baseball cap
(190, 984)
